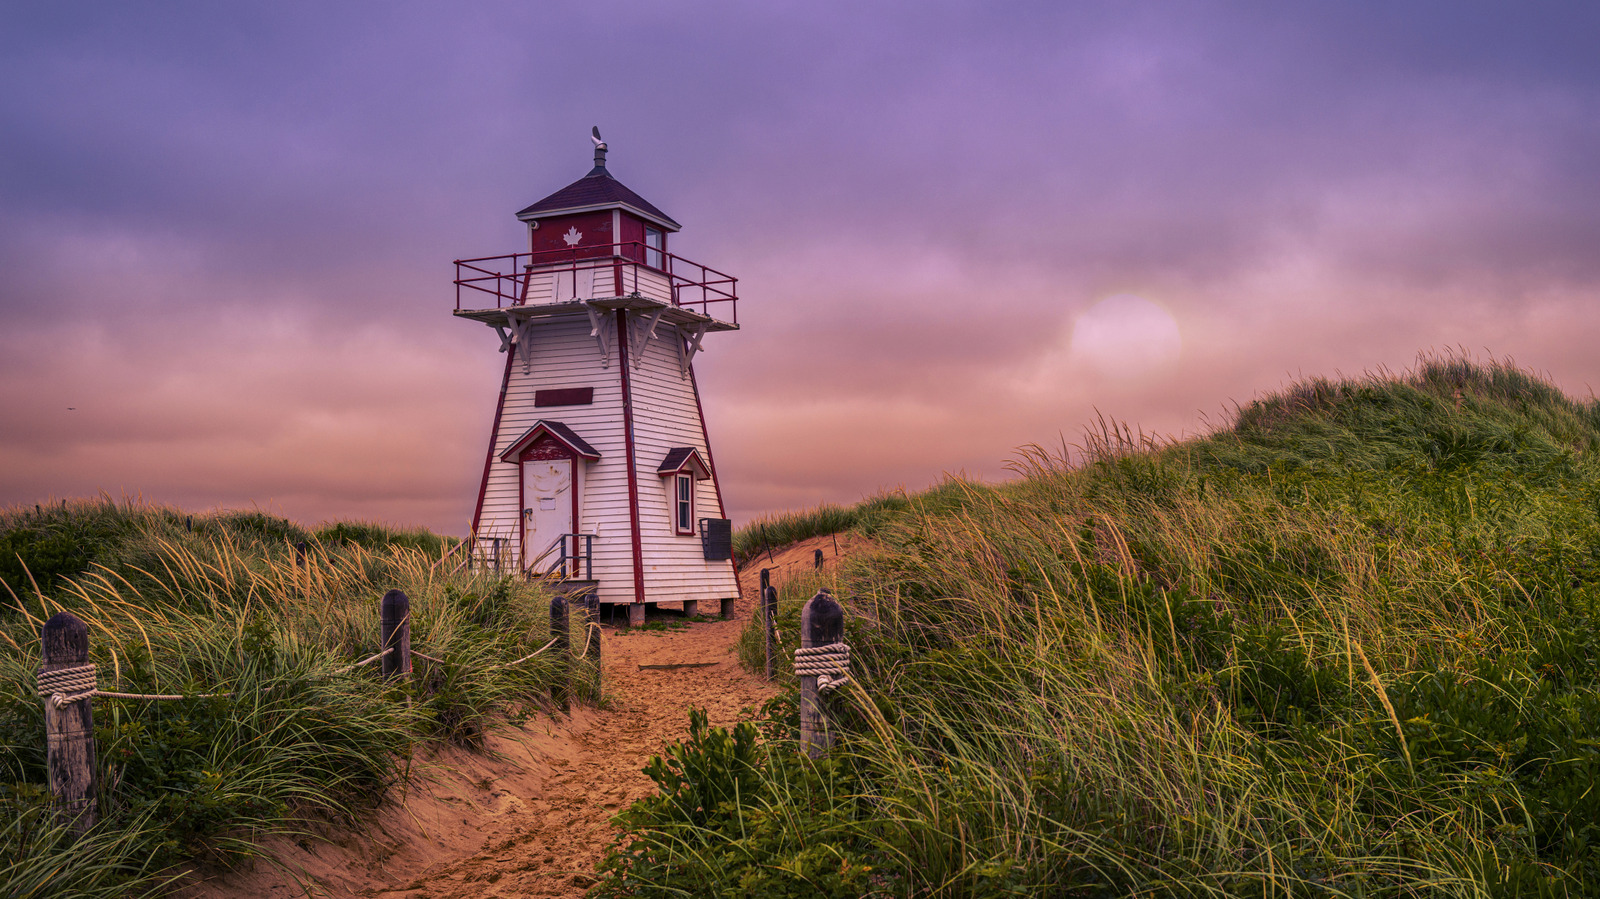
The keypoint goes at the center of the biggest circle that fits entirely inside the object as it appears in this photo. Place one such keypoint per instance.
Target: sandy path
(532, 817)
(551, 847)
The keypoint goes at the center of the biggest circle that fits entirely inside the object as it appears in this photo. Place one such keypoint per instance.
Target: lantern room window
(683, 507)
(655, 244)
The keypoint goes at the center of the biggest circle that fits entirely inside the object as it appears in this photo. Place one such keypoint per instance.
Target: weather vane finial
(599, 150)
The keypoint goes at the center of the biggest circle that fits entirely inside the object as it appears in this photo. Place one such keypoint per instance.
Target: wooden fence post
(818, 560)
(585, 604)
(769, 620)
(561, 690)
(69, 729)
(591, 636)
(821, 624)
(394, 632)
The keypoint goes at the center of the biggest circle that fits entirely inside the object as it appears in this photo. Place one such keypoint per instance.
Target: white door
(546, 508)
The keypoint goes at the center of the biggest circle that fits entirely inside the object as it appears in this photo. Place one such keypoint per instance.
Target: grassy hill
(1347, 645)
(221, 603)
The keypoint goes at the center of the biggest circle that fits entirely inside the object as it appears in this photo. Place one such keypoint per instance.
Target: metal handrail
(585, 571)
(507, 277)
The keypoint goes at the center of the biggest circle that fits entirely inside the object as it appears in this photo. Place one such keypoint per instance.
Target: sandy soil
(531, 817)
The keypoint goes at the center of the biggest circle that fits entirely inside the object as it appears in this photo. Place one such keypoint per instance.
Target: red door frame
(546, 447)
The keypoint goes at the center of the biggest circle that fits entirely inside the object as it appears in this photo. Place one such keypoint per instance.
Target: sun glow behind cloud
(1126, 336)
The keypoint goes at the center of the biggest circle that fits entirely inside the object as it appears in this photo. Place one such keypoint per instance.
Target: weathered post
(561, 689)
(821, 624)
(69, 728)
(818, 560)
(300, 554)
(769, 620)
(592, 633)
(588, 612)
(394, 632)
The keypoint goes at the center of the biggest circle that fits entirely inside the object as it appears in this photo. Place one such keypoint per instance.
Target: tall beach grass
(226, 604)
(1348, 645)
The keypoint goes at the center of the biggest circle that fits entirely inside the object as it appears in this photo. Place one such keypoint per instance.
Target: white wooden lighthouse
(599, 471)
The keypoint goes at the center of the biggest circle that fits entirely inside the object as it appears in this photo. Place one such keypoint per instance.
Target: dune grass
(223, 603)
(1348, 645)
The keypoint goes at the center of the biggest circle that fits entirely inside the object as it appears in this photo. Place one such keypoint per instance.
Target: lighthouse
(599, 474)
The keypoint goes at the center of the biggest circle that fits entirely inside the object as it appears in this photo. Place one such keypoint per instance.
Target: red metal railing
(628, 265)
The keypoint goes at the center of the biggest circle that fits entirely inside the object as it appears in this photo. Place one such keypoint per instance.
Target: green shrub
(731, 819)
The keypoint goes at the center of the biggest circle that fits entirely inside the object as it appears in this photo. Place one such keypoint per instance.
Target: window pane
(653, 242)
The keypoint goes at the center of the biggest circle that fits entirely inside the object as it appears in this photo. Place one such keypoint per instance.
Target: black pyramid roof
(596, 190)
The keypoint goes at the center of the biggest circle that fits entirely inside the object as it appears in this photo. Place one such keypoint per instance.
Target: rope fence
(366, 661)
(67, 685)
(68, 682)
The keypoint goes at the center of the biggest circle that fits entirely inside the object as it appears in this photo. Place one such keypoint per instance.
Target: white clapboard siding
(649, 283)
(565, 354)
(595, 280)
(666, 416)
(541, 288)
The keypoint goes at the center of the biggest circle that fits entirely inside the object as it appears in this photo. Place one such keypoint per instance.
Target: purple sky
(226, 234)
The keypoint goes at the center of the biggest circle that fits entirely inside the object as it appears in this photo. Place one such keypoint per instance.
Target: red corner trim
(711, 459)
(522, 524)
(494, 434)
(633, 474)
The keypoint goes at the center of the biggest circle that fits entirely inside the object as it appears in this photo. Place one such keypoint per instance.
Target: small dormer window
(680, 470)
(655, 243)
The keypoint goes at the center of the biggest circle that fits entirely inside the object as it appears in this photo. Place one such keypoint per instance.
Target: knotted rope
(829, 664)
(65, 686)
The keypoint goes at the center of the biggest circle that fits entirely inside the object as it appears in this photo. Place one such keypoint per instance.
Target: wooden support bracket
(523, 338)
(506, 341)
(644, 330)
(688, 345)
(599, 329)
